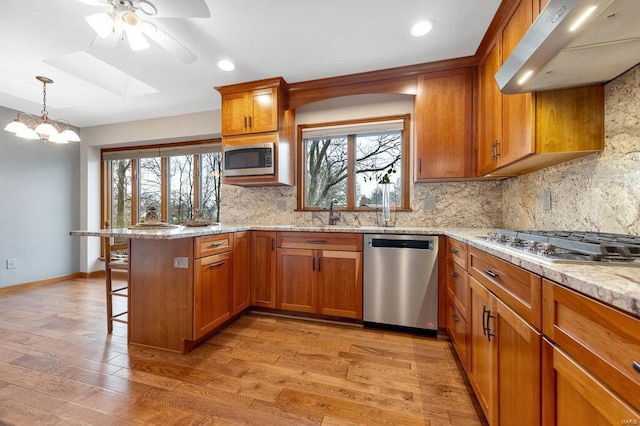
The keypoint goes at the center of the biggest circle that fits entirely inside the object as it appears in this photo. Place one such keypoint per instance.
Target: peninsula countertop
(615, 284)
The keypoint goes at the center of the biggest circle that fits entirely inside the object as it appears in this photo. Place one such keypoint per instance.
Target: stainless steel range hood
(603, 47)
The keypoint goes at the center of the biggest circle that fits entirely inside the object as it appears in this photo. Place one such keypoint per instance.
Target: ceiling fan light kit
(125, 21)
(28, 126)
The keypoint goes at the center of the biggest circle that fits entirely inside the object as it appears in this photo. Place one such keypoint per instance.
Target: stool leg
(109, 301)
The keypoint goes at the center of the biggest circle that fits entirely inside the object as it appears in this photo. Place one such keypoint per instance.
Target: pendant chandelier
(28, 126)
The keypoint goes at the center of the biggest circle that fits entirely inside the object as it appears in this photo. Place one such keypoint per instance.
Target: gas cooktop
(570, 246)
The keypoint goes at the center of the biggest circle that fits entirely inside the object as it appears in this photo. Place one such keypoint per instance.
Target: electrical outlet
(430, 203)
(11, 263)
(546, 200)
(181, 262)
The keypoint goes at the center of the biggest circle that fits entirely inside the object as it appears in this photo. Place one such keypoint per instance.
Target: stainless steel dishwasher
(400, 282)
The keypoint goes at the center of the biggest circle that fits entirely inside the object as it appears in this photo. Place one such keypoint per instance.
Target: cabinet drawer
(212, 244)
(320, 240)
(603, 339)
(457, 251)
(459, 332)
(458, 287)
(517, 288)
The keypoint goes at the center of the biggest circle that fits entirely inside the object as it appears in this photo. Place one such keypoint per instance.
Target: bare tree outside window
(327, 168)
(150, 184)
(211, 177)
(180, 188)
(121, 186)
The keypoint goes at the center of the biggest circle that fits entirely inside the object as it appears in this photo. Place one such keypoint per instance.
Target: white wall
(39, 199)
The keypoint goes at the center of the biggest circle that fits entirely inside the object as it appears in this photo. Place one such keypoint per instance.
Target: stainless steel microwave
(249, 160)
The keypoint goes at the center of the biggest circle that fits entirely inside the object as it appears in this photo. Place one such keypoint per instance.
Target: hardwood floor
(58, 366)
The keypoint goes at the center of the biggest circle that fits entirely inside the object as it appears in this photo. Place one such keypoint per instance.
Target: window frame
(164, 152)
(405, 200)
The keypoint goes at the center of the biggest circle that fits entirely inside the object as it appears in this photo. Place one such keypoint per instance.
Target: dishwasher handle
(405, 244)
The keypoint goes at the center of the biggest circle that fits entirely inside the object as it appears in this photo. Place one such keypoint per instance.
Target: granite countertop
(615, 284)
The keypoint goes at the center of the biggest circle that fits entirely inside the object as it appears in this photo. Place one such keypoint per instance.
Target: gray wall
(39, 199)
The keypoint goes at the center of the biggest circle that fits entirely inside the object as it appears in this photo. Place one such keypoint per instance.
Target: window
(345, 161)
(175, 179)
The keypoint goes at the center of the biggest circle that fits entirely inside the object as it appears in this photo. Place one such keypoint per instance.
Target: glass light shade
(27, 133)
(45, 128)
(102, 23)
(70, 135)
(57, 138)
(16, 126)
(137, 41)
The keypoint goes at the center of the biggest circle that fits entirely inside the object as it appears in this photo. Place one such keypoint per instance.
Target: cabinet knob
(636, 366)
(454, 318)
(454, 274)
(454, 251)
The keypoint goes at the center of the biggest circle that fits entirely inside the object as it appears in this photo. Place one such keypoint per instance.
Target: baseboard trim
(46, 281)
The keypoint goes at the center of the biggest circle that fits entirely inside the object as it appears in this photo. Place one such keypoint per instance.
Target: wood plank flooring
(58, 366)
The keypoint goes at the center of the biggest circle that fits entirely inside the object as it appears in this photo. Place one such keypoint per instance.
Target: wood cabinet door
(297, 280)
(581, 399)
(263, 269)
(212, 293)
(517, 116)
(444, 119)
(235, 114)
(519, 346)
(241, 271)
(264, 110)
(340, 284)
(484, 350)
(459, 333)
(489, 110)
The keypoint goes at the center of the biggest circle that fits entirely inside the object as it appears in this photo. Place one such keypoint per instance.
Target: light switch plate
(11, 263)
(181, 262)
(546, 200)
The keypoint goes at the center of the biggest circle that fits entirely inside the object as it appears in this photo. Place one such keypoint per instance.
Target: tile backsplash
(599, 192)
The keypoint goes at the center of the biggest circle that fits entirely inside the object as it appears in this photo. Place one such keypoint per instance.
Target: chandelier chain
(45, 115)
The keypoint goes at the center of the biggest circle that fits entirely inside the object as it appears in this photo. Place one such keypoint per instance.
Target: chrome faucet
(333, 217)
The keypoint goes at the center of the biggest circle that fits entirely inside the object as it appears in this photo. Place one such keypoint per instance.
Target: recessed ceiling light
(226, 65)
(421, 28)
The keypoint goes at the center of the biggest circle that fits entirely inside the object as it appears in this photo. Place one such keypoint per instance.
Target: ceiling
(297, 39)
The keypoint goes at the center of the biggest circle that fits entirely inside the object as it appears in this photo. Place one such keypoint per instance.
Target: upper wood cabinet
(253, 107)
(444, 125)
(524, 132)
(253, 111)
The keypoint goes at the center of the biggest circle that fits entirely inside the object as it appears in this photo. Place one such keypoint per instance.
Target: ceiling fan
(126, 19)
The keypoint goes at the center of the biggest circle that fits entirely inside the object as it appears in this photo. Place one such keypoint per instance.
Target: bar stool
(115, 260)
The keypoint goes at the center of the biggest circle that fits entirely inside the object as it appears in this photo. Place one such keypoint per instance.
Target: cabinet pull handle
(497, 150)
(319, 264)
(489, 333)
(273, 244)
(215, 265)
(490, 273)
(313, 241)
(454, 274)
(420, 167)
(485, 311)
(250, 122)
(245, 121)
(493, 150)
(454, 250)
(313, 264)
(636, 366)
(217, 244)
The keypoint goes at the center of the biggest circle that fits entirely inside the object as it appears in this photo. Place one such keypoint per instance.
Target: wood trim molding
(400, 80)
(74, 276)
(504, 12)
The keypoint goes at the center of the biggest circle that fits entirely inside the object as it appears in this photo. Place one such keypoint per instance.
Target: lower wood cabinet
(212, 293)
(241, 271)
(263, 269)
(315, 276)
(573, 395)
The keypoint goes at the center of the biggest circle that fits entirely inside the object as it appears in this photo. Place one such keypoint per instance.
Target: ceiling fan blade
(168, 43)
(108, 43)
(94, 2)
(181, 9)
